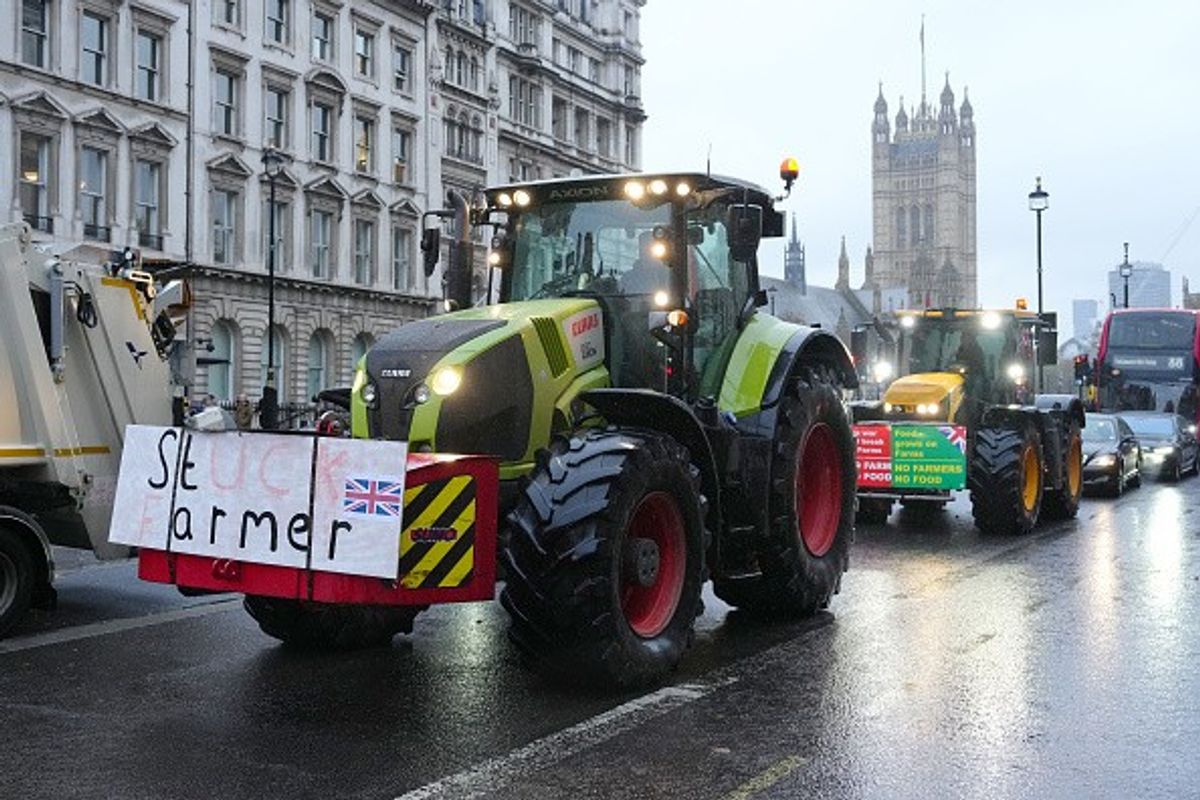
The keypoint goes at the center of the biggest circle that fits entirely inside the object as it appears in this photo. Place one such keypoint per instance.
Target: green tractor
(655, 428)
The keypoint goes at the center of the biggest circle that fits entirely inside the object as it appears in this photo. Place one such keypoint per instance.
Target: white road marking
(496, 773)
(116, 625)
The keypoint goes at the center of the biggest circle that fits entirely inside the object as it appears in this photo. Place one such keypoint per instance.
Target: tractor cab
(669, 259)
(954, 362)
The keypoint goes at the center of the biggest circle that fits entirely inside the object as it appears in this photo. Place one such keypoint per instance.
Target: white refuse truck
(82, 355)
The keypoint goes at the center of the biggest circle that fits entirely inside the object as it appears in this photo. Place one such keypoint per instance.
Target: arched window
(281, 384)
(464, 135)
(929, 224)
(359, 347)
(901, 227)
(914, 224)
(222, 361)
(320, 362)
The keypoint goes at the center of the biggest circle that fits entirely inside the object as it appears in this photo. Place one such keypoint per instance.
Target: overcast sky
(1101, 98)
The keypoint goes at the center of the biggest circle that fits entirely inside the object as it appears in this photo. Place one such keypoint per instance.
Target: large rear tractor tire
(1006, 480)
(321, 626)
(811, 507)
(17, 575)
(605, 558)
(1063, 503)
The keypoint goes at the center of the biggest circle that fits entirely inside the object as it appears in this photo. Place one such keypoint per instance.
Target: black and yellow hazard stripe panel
(437, 547)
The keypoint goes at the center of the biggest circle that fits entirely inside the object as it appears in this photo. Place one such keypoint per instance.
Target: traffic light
(1083, 367)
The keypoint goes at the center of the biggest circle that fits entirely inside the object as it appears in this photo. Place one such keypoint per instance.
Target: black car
(1112, 458)
(1169, 447)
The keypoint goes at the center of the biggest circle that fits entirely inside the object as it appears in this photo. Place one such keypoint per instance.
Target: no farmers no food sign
(320, 503)
(911, 456)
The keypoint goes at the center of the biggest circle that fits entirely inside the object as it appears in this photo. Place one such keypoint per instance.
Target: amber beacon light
(789, 170)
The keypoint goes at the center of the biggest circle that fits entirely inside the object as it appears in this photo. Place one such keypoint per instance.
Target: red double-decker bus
(1149, 360)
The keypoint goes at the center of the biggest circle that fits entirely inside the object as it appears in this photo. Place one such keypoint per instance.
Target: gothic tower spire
(793, 260)
(843, 279)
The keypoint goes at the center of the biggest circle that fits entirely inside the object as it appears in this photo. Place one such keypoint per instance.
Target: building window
(603, 137)
(224, 226)
(322, 37)
(359, 347)
(278, 21)
(583, 128)
(320, 224)
(146, 213)
(283, 231)
(364, 54)
(226, 103)
(275, 357)
(901, 227)
(277, 117)
(149, 65)
(322, 122)
(401, 64)
(364, 251)
(364, 144)
(93, 184)
(221, 364)
(525, 102)
(402, 239)
(35, 32)
(93, 63)
(631, 146)
(401, 145)
(558, 118)
(573, 59)
(35, 181)
(593, 70)
(523, 25)
(320, 348)
(229, 12)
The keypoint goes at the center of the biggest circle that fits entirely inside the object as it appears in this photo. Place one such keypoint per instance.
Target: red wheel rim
(818, 489)
(649, 609)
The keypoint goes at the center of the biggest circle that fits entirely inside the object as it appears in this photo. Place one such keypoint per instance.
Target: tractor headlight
(420, 394)
(908, 322)
(882, 371)
(1016, 373)
(927, 409)
(370, 394)
(887, 408)
(990, 320)
(446, 380)
(521, 197)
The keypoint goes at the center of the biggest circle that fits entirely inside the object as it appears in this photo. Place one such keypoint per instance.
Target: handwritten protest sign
(333, 505)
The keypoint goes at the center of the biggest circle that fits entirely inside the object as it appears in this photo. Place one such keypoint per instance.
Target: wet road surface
(1062, 664)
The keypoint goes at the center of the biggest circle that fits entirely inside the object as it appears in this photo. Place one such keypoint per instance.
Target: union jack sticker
(956, 435)
(373, 497)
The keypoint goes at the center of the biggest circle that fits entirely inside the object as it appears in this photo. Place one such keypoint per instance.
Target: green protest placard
(929, 457)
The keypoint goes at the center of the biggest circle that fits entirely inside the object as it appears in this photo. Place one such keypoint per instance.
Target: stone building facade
(923, 201)
(379, 108)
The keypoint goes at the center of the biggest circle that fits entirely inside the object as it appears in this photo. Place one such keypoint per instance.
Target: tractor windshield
(607, 247)
(966, 345)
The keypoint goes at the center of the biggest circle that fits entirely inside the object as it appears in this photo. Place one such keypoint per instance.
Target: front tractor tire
(321, 626)
(1006, 480)
(1063, 503)
(811, 508)
(604, 562)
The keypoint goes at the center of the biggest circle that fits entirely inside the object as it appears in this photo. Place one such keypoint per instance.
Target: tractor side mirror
(744, 224)
(1047, 347)
(431, 247)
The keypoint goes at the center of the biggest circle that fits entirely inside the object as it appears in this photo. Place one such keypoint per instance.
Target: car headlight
(1104, 460)
(1015, 372)
(446, 381)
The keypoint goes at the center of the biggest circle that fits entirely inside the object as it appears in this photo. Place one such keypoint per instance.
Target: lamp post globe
(1126, 270)
(268, 409)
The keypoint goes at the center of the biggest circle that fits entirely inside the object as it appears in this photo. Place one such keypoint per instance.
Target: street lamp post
(268, 407)
(1039, 201)
(1126, 273)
